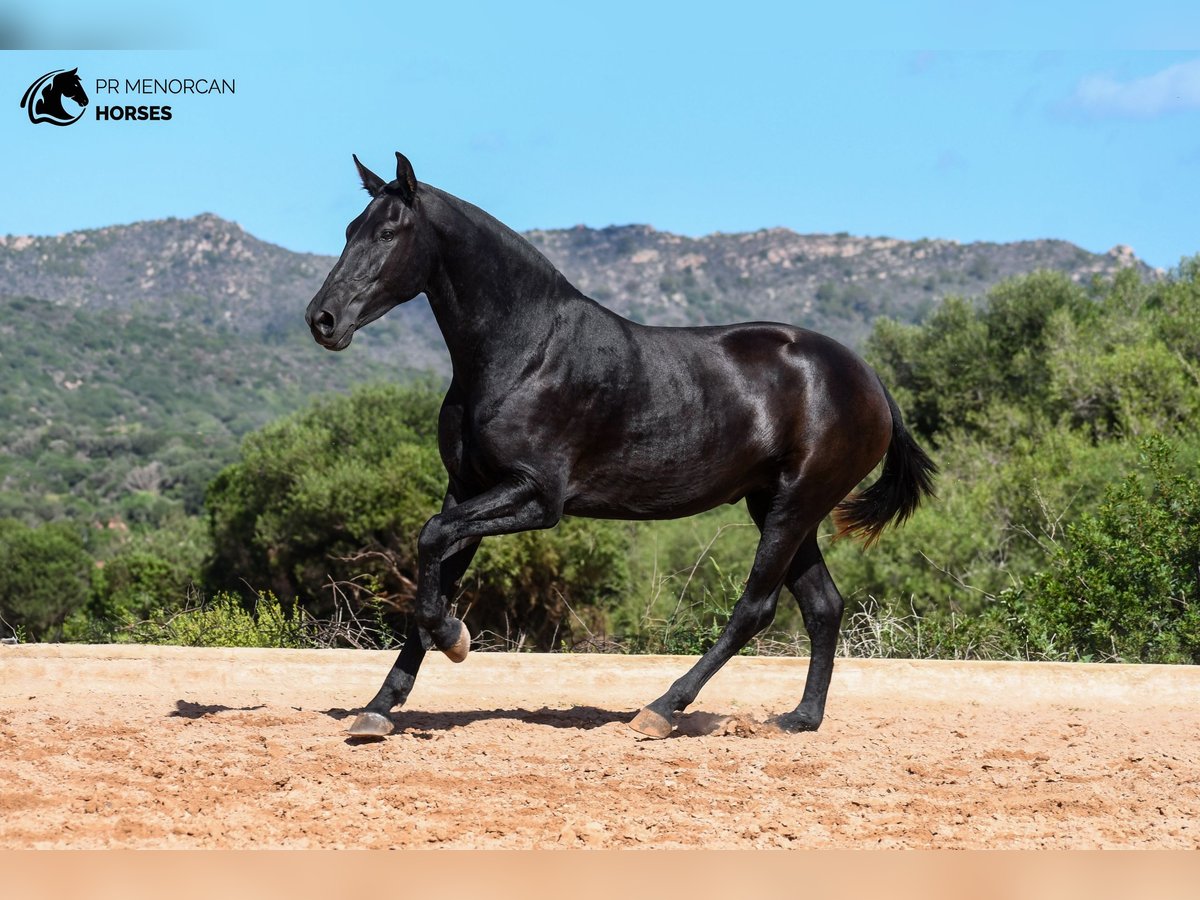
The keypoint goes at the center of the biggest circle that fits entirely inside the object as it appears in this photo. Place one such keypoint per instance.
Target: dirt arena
(175, 747)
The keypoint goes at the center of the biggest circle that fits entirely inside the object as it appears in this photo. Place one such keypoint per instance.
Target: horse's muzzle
(323, 324)
(324, 328)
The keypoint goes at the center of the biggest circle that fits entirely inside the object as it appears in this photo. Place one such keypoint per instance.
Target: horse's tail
(906, 479)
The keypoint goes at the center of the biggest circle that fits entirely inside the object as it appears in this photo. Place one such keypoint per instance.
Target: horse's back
(718, 412)
(758, 342)
(771, 359)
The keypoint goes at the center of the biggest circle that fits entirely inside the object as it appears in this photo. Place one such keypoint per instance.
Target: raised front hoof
(370, 724)
(460, 648)
(651, 724)
(794, 723)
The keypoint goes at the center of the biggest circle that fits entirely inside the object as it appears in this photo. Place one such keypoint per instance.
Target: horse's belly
(682, 492)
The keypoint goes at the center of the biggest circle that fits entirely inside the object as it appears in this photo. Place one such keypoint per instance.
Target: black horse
(44, 97)
(559, 406)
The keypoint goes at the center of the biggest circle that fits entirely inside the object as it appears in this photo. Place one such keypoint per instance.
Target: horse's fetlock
(446, 632)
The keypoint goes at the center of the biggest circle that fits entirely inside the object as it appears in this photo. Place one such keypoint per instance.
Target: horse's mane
(513, 240)
(37, 85)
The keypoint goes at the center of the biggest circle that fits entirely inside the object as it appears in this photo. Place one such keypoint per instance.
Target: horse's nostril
(325, 323)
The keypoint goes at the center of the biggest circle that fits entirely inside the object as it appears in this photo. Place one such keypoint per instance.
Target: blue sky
(959, 120)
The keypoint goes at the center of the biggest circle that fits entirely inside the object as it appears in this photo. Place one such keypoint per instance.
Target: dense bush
(142, 573)
(1035, 401)
(1125, 585)
(44, 577)
(224, 620)
(978, 370)
(312, 493)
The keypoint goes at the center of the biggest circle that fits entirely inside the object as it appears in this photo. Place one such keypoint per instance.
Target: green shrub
(144, 571)
(226, 621)
(952, 374)
(351, 475)
(548, 589)
(44, 576)
(1126, 584)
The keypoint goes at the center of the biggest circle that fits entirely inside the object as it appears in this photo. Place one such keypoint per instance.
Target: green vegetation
(122, 416)
(1051, 409)
(1067, 525)
(1127, 583)
(228, 621)
(43, 576)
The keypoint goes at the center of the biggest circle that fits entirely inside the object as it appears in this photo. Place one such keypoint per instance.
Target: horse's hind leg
(821, 605)
(373, 721)
(754, 611)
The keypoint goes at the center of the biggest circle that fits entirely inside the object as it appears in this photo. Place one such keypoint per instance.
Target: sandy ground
(175, 747)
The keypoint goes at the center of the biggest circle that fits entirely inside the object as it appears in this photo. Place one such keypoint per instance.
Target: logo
(43, 101)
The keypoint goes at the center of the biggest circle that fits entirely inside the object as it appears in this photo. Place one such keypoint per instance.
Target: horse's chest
(487, 450)
(477, 445)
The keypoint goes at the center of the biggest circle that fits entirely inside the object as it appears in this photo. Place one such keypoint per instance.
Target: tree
(1126, 585)
(146, 572)
(980, 370)
(44, 577)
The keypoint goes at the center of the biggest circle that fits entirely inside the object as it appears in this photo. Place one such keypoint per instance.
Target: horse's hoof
(371, 724)
(459, 649)
(651, 724)
(794, 723)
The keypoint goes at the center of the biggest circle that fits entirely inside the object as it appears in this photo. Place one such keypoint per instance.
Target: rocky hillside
(213, 274)
(831, 283)
(205, 271)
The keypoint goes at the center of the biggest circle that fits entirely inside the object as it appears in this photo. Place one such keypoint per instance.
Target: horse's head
(67, 84)
(389, 253)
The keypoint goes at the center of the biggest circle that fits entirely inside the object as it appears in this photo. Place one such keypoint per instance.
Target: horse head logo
(43, 101)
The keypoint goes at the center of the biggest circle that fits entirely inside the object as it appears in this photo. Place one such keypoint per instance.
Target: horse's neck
(492, 286)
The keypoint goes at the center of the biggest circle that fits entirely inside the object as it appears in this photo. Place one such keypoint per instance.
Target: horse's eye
(386, 235)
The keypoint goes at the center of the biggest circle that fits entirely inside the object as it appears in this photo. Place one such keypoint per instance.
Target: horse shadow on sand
(185, 709)
(424, 725)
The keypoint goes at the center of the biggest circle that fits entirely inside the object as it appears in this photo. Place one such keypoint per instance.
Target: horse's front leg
(444, 550)
(373, 721)
(519, 504)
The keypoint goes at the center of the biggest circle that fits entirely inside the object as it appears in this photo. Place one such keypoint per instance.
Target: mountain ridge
(214, 271)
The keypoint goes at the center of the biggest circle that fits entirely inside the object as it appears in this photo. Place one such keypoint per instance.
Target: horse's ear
(406, 182)
(371, 182)
(74, 71)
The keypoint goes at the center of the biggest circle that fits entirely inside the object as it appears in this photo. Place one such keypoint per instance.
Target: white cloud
(1174, 89)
